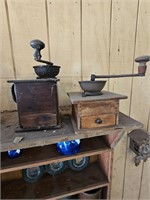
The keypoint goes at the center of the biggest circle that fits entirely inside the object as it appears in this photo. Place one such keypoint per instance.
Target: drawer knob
(98, 121)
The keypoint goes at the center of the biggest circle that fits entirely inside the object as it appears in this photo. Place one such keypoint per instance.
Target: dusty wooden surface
(38, 156)
(76, 97)
(84, 37)
(88, 110)
(50, 187)
(9, 123)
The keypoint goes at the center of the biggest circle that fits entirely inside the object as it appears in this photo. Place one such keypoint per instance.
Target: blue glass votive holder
(14, 153)
(68, 147)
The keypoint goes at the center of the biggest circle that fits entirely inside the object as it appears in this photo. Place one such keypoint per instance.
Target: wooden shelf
(47, 154)
(38, 148)
(9, 122)
(65, 184)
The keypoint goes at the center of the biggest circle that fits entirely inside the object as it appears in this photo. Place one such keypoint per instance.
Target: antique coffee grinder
(37, 99)
(94, 88)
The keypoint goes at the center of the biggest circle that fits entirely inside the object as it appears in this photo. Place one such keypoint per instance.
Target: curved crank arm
(142, 60)
(44, 61)
(38, 45)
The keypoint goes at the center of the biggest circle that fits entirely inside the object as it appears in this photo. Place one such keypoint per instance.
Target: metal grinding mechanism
(93, 87)
(43, 71)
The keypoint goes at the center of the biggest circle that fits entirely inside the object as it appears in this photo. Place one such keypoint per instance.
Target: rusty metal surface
(93, 76)
(92, 86)
(46, 71)
(140, 145)
(142, 60)
(38, 45)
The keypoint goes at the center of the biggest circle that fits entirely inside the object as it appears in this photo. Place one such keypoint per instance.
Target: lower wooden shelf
(37, 156)
(65, 184)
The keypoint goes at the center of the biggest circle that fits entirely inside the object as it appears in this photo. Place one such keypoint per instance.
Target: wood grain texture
(95, 37)
(7, 70)
(95, 111)
(84, 37)
(52, 187)
(140, 104)
(27, 22)
(119, 159)
(123, 31)
(6, 60)
(91, 122)
(65, 44)
(38, 156)
(65, 85)
(64, 35)
(132, 174)
(145, 183)
(96, 108)
(76, 97)
(105, 161)
(68, 131)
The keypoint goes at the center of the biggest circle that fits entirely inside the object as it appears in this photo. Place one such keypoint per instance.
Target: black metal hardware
(38, 45)
(141, 70)
(140, 145)
(98, 121)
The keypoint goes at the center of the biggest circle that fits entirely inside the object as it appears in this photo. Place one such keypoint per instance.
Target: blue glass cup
(68, 147)
(14, 153)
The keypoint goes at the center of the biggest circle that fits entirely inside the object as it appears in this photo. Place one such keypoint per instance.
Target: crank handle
(37, 45)
(142, 60)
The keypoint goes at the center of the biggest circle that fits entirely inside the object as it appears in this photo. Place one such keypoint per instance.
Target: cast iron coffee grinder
(139, 139)
(94, 88)
(37, 99)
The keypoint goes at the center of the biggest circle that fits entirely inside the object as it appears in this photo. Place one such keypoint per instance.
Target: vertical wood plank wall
(84, 37)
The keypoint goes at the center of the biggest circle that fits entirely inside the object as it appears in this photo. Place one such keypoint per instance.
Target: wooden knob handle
(142, 59)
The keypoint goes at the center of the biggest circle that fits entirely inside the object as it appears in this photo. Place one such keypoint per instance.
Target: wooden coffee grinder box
(95, 111)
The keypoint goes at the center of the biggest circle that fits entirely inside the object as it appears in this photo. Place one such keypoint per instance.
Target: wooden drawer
(89, 114)
(98, 108)
(38, 120)
(87, 110)
(98, 121)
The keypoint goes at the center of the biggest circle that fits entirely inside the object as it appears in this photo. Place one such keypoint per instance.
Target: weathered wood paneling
(145, 184)
(27, 22)
(132, 178)
(122, 41)
(6, 61)
(140, 103)
(65, 85)
(7, 70)
(65, 42)
(118, 168)
(84, 37)
(95, 37)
